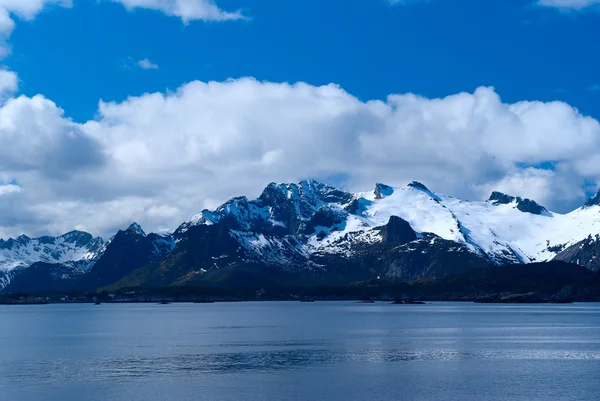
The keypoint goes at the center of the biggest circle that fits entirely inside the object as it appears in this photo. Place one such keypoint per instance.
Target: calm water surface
(299, 351)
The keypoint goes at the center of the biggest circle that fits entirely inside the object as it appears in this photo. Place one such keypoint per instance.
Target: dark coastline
(519, 284)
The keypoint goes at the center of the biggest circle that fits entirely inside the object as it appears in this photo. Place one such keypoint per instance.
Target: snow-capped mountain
(300, 220)
(311, 233)
(76, 249)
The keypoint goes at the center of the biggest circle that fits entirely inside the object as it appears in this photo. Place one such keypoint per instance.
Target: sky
(114, 111)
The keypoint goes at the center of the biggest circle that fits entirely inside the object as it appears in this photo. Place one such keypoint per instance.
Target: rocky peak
(593, 201)
(500, 198)
(523, 204)
(382, 191)
(302, 199)
(307, 191)
(418, 185)
(21, 240)
(79, 238)
(136, 229)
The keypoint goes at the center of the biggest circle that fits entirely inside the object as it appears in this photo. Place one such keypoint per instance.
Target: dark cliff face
(584, 253)
(428, 257)
(397, 232)
(523, 204)
(199, 251)
(128, 251)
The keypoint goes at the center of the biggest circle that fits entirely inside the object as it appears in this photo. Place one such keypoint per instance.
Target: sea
(333, 351)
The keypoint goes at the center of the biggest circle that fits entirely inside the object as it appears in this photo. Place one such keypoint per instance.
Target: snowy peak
(419, 186)
(306, 197)
(136, 229)
(281, 209)
(416, 185)
(523, 204)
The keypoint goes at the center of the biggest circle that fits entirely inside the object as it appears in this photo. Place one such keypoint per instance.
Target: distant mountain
(77, 250)
(310, 233)
(45, 277)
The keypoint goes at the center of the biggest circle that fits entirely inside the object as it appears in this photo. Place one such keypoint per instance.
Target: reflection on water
(239, 362)
(266, 350)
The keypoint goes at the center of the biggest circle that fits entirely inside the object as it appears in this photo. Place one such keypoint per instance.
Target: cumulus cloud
(146, 64)
(39, 138)
(568, 4)
(186, 10)
(160, 158)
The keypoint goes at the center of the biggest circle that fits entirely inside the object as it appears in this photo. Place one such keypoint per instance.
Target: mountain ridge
(316, 233)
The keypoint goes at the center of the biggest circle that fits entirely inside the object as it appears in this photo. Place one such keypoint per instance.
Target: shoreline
(356, 301)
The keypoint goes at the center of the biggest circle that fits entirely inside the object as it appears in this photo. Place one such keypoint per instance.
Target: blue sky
(151, 110)
(371, 48)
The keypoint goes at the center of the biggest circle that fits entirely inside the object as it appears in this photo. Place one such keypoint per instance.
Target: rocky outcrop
(523, 204)
(593, 201)
(397, 232)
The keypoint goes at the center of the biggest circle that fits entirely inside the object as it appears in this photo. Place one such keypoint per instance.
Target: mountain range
(310, 233)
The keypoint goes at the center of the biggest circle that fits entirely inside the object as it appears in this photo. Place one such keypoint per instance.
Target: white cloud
(7, 25)
(28, 9)
(160, 158)
(8, 189)
(568, 4)
(146, 64)
(9, 83)
(40, 139)
(187, 10)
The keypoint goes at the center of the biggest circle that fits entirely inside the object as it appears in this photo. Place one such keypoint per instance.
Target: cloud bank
(160, 158)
